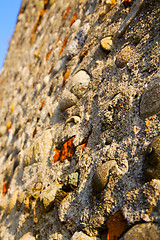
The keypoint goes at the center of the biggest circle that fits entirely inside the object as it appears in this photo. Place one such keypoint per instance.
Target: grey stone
(151, 163)
(79, 83)
(78, 41)
(144, 231)
(101, 176)
(150, 100)
(67, 100)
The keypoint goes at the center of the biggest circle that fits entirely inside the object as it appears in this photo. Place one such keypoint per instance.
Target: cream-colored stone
(107, 43)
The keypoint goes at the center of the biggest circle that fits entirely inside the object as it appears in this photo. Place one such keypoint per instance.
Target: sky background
(9, 10)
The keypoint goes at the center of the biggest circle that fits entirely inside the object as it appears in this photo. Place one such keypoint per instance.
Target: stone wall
(80, 122)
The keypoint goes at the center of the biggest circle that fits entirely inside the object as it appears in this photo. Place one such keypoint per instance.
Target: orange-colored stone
(117, 225)
(5, 188)
(66, 151)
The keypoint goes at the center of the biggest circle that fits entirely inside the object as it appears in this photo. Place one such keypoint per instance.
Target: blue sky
(9, 10)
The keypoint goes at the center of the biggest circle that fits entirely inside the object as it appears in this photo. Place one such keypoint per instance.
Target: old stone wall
(80, 122)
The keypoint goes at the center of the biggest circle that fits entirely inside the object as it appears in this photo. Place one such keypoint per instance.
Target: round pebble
(67, 100)
(123, 57)
(151, 163)
(150, 100)
(143, 231)
(101, 175)
(107, 43)
(79, 83)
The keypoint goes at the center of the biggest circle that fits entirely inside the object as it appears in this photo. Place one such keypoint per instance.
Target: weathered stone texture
(79, 127)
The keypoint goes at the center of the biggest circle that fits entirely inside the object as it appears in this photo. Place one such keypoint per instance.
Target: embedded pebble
(78, 41)
(123, 56)
(79, 83)
(107, 43)
(67, 100)
(151, 163)
(27, 236)
(143, 231)
(150, 100)
(71, 182)
(59, 65)
(82, 236)
(101, 175)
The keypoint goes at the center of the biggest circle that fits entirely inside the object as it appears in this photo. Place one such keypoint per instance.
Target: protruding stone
(67, 100)
(82, 236)
(107, 43)
(27, 236)
(71, 181)
(143, 231)
(101, 175)
(151, 163)
(79, 83)
(78, 41)
(150, 100)
(123, 57)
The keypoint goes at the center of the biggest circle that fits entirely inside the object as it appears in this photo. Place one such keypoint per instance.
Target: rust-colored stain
(63, 46)
(66, 152)
(38, 21)
(66, 76)
(48, 54)
(66, 12)
(5, 188)
(50, 69)
(85, 141)
(73, 19)
(34, 131)
(117, 225)
(41, 107)
(58, 39)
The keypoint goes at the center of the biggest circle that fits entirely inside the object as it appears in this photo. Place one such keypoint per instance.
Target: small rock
(60, 195)
(67, 100)
(47, 197)
(71, 182)
(101, 175)
(82, 236)
(143, 231)
(123, 57)
(79, 83)
(27, 236)
(59, 65)
(78, 41)
(151, 163)
(107, 43)
(150, 100)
